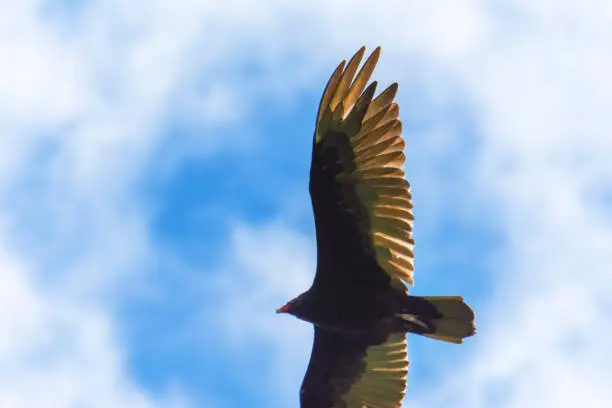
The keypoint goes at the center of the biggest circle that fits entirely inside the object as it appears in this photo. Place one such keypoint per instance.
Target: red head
(286, 308)
(297, 307)
(294, 306)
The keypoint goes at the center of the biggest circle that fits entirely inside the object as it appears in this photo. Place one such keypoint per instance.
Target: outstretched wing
(347, 371)
(361, 200)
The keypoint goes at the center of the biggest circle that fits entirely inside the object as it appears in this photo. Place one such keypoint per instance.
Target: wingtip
(373, 58)
(359, 54)
(374, 54)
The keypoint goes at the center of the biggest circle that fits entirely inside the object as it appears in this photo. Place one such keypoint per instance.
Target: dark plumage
(358, 302)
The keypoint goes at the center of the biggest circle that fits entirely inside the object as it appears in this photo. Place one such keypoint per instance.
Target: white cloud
(80, 109)
(268, 266)
(84, 99)
(58, 351)
(541, 89)
(535, 76)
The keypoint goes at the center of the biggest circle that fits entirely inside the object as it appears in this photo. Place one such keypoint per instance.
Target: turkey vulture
(359, 303)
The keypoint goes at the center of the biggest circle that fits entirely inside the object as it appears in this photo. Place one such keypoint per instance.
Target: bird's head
(293, 306)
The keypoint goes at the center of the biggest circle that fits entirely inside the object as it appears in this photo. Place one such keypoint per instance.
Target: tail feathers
(446, 318)
(451, 330)
(451, 306)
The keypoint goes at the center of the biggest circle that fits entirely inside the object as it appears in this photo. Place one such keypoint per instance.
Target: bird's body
(358, 302)
(346, 312)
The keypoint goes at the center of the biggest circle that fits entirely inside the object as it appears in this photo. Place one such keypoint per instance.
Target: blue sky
(154, 208)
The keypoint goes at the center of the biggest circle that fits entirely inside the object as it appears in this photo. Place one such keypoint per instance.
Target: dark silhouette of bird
(359, 303)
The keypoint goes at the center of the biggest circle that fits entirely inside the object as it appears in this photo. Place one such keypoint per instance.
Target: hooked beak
(284, 309)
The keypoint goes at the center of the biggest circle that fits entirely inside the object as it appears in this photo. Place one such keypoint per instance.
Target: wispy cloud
(78, 107)
(540, 89)
(89, 96)
(269, 265)
(537, 90)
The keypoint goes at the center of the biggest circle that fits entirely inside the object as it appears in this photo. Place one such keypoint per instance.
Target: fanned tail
(446, 318)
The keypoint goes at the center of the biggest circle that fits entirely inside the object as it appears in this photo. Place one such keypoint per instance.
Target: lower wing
(348, 371)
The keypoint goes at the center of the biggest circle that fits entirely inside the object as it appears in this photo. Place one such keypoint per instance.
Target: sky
(154, 210)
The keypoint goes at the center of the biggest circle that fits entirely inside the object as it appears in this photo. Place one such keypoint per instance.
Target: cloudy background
(154, 209)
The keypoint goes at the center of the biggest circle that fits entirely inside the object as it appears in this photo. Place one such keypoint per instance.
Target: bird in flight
(359, 303)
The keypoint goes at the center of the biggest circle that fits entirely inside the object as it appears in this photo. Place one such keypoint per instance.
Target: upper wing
(355, 372)
(361, 200)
